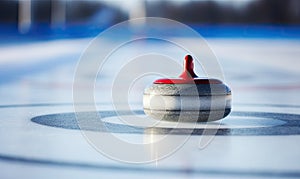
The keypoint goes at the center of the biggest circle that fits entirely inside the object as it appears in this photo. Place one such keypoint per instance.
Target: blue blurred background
(23, 20)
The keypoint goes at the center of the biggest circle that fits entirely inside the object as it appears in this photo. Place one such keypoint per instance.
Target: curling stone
(187, 98)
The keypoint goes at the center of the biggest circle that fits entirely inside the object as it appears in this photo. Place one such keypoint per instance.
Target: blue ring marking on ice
(121, 168)
(68, 121)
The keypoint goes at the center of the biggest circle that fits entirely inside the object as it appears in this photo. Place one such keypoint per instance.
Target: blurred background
(52, 19)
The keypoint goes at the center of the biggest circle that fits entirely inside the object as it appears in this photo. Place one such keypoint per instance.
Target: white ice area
(263, 74)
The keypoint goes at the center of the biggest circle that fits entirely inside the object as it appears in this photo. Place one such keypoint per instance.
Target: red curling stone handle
(188, 76)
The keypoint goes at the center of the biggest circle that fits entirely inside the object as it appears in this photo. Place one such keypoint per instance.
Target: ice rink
(40, 138)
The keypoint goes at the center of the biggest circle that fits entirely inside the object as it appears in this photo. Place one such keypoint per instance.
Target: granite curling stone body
(187, 98)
